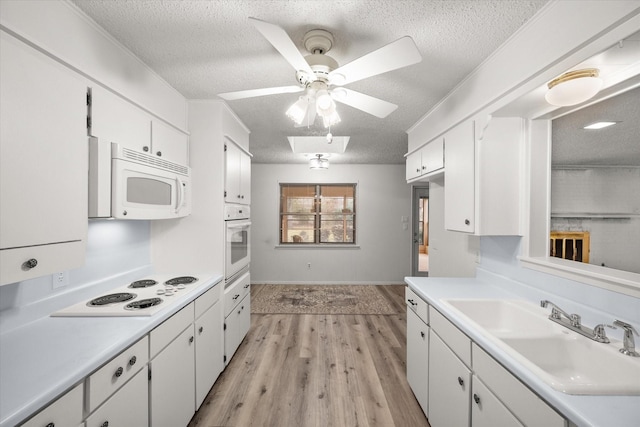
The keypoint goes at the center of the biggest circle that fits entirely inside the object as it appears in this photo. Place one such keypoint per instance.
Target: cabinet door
(245, 317)
(172, 386)
(209, 353)
(169, 143)
(449, 386)
(245, 178)
(418, 359)
(128, 407)
(43, 163)
(114, 119)
(414, 165)
(66, 411)
(459, 178)
(232, 173)
(487, 410)
(433, 156)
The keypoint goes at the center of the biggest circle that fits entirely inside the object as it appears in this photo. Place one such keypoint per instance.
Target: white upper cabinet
(483, 176)
(116, 120)
(43, 164)
(426, 161)
(237, 174)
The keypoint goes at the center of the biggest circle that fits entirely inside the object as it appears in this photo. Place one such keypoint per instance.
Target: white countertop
(584, 411)
(43, 359)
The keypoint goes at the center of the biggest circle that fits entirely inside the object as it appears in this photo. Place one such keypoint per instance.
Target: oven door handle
(235, 224)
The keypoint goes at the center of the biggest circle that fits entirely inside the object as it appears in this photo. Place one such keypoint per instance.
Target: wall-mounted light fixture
(574, 87)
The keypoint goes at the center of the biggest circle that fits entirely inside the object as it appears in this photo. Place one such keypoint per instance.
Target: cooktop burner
(111, 299)
(143, 303)
(145, 283)
(182, 280)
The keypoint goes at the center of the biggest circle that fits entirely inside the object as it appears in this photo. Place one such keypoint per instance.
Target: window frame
(317, 214)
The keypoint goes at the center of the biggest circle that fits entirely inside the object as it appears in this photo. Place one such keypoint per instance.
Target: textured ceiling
(203, 48)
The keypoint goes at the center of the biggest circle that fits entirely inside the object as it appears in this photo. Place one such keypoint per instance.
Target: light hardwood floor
(317, 371)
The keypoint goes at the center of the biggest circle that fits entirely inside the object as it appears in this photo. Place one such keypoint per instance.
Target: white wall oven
(237, 241)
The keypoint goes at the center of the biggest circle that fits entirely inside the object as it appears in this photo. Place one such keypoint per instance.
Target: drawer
(162, 336)
(106, 380)
(417, 304)
(451, 335)
(206, 300)
(530, 409)
(66, 411)
(235, 292)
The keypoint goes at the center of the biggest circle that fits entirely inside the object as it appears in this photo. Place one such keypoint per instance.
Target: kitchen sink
(565, 360)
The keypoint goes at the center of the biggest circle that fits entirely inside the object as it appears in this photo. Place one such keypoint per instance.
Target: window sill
(312, 246)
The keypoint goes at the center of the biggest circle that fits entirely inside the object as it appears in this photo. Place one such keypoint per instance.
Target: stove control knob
(132, 361)
(118, 372)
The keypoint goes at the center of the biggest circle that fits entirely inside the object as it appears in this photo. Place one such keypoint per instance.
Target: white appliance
(237, 251)
(126, 184)
(143, 297)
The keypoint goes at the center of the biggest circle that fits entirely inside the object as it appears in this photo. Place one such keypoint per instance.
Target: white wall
(383, 256)
(451, 254)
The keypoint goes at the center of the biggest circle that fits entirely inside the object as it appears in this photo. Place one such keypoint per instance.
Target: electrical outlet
(308, 266)
(59, 280)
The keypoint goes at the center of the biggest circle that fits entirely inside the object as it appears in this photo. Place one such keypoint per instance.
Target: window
(317, 213)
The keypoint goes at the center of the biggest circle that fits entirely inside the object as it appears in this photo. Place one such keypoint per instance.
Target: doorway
(420, 230)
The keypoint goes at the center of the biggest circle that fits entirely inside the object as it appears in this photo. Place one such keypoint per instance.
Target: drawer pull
(29, 264)
(51, 425)
(460, 381)
(190, 339)
(247, 285)
(476, 398)
(159, 153)
(236, 296)
(467, 222)
(412, 302)
(105, 424)
(422, 334)
(118, 372)
(201, 329)
(133, 360)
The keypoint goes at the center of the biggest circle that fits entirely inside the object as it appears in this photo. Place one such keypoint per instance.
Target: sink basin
(564, 359)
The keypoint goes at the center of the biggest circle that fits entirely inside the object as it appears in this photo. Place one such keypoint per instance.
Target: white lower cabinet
(127, 407)
(172, 383)
(237, 309)
(466, 387)
(487, 410)
(65, 411)
(449, 386)
(209, 350)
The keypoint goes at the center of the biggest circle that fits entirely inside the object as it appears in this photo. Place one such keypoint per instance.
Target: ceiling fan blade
(366, 103)
(397, 54)
(283, 43)
(252, 93)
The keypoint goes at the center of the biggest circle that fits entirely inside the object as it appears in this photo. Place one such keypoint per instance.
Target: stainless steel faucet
(573, 323)
(557, 311)
(629, 344)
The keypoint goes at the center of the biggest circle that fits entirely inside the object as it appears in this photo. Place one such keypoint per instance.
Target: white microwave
(127, 184)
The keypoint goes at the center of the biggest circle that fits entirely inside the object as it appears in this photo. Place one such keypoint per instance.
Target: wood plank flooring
(301, 370)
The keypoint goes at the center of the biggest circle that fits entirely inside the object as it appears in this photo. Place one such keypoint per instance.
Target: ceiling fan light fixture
(323, 100)
(574, 87)
(298, 110)
(331, 119)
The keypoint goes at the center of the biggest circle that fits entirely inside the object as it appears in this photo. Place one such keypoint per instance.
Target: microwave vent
(146, 159)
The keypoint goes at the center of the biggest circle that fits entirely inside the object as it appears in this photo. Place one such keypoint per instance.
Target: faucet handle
(599, 333)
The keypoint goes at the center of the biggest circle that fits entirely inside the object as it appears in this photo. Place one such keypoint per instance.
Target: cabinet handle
(247, 285)
(460, 381)
(239, 196)
(200, 329)
(145, 148)
(105, 424)
(467, 222)
(422, 334)
(190, 339)
(476, 398)
(242, 196)
(133, 360)
(410, 301)
(118, 372)
(424, 167)
(417, 170)
(29, 264)
(51, 425)
(159, 153)
(236, 296)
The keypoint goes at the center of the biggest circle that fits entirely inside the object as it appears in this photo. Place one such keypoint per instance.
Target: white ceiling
(203, 48)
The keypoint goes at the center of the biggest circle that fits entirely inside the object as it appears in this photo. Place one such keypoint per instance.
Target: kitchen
(128, 248)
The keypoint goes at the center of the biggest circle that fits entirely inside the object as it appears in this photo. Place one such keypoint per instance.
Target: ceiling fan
(321, 78)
